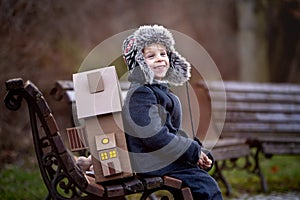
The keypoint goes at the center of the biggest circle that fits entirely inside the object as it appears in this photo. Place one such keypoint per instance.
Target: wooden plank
(260, 117)
(64, 84)
(14, 84)
(51, 123)
(280, 138)
(69, 96)
(172, 182)
(68, 161)
(133, 186)
(60, 88)
(59, 144)
(79, 178)
(261, 127)
(153, 182)
(257, 107)
(224, 142)
(186, 193)
(115, 190)
(255, 97)
(32, 90)
(43, 106)
(281, 148)
(259, 135)
(286, 88)
(94, 188)
(230, 152)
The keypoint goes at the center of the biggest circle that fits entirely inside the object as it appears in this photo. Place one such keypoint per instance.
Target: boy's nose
(159, 58)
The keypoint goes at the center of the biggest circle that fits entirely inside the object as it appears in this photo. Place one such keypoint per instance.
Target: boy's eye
(150, 56)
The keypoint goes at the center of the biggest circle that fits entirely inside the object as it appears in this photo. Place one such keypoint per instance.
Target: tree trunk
(252, 43)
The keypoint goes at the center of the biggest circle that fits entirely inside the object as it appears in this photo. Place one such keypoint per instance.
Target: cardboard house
(99, 104)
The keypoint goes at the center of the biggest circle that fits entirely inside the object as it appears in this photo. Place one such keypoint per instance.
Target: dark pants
(202, 185)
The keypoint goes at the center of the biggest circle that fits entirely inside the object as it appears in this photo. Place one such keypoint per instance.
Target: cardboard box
(99, 103)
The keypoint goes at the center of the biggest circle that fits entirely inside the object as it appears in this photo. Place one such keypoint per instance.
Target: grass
(282, 174)
(21, 182)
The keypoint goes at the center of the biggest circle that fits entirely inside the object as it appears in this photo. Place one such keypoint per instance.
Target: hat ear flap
(148, 73)
(179, 71)
(130, 51)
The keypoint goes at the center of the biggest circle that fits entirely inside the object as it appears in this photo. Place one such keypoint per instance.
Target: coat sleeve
(149, 125)
(208, 153)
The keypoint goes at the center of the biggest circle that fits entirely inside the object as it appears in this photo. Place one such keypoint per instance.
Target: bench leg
(257, 170)
(219, 175)
(48, 197)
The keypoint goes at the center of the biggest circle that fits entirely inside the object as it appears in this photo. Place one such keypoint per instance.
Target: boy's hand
(204, 162)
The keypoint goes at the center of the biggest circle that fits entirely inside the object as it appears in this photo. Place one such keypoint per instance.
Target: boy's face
(157, 59)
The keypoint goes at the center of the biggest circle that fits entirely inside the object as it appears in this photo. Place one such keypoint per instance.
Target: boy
(152, 114)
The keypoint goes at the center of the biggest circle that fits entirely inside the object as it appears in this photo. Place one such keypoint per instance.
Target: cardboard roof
(96, 103)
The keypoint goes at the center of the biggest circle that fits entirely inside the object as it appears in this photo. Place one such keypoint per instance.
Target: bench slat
(65, 84)
(283, 88)
(69, 96)
(153, 182)
(230, 152)
(52, 125)
(260, 117)
(281, 148)
(115, 190)
(256, 97)
(133, 186)
(258, 107)
(187, 193)
(172, 182)
(261, 127)
(94, 188)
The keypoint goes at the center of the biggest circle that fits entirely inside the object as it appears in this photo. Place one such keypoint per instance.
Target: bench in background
(267, 115)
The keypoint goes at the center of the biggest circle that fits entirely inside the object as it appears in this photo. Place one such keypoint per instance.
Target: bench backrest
(257, 109)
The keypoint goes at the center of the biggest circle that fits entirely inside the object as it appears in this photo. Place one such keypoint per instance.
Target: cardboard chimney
(99, 103)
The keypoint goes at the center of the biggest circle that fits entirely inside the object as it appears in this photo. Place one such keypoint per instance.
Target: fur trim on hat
(179, 71)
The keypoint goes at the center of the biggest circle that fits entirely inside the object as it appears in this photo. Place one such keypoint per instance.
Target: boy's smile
(157, 59)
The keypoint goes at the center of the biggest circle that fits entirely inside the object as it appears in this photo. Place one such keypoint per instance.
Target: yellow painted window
(104, 156)
(113, 154)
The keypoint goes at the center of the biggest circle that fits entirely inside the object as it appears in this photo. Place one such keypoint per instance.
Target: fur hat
(179, 71)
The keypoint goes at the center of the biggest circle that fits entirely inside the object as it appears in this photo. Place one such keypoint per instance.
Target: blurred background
(46, 40)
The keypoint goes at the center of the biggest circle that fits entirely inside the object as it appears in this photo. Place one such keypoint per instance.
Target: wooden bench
(267, 115)
(226, 149)
(62, 177)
